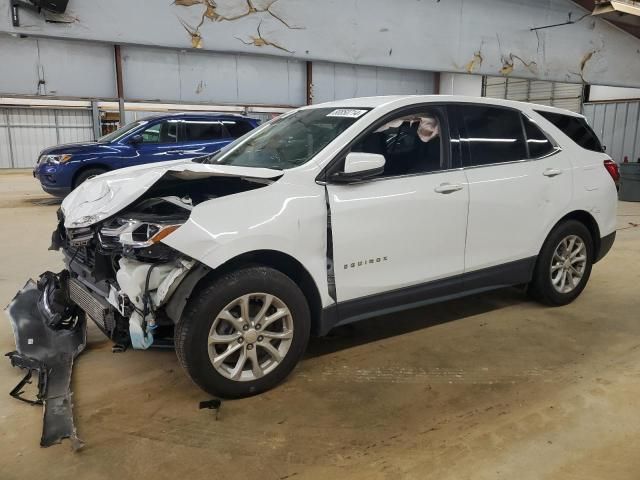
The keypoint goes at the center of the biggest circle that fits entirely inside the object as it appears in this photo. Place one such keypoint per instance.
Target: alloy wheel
(568, 264)
(250, 337)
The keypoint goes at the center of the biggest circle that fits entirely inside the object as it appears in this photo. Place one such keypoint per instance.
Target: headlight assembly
(142, 234)
(138, 234)
(55, 159)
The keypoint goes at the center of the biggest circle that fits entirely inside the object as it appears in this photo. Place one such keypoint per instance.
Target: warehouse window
(202, 130)
(576, 128)
(537, 142)
(491, 134)
(556, 94)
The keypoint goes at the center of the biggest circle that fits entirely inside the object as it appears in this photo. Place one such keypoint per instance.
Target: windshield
(290, 140)
(121, 132)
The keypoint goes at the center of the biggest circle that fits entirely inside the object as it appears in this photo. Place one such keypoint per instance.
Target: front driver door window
(407, 226)
(411, 144)
(158, 143)
(163, 132)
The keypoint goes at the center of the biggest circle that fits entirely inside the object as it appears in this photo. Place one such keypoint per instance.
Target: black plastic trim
(606, 243)
(178, 300)
(512, 273)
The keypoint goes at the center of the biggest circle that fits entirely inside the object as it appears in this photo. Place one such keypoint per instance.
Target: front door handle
(447, 188)
(552, 172)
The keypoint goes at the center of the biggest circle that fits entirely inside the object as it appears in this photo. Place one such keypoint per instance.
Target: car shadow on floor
(44, 201)
(393, 324)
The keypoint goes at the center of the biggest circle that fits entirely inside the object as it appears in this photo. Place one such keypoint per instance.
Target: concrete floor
(489, 387)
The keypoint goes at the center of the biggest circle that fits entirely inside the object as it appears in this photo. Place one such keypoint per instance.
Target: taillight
(612, 168)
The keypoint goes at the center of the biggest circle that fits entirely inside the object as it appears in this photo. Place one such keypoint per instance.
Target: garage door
(24, 132)
(556, 94)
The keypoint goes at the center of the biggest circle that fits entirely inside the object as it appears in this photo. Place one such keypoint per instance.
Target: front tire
(244, 332)
(85, 175)
(564, 264)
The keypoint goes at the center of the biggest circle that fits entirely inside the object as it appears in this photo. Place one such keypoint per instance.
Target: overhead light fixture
(54, 6)
(620, 11)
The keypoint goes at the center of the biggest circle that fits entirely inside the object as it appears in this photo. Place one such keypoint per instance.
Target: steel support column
(119, 83)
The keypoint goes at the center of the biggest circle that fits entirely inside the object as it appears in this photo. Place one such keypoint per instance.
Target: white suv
(331, 214)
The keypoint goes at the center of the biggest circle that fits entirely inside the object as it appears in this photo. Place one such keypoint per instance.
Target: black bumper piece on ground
(48, 353)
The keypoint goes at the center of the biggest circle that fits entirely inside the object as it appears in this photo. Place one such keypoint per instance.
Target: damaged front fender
(50, 354)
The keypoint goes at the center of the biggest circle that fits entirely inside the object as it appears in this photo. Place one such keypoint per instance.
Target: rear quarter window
(576, 128)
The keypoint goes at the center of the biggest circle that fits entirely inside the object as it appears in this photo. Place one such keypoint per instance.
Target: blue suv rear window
(195, 130)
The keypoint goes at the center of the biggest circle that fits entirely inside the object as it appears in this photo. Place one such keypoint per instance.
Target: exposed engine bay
(121, 273)
(118, 274)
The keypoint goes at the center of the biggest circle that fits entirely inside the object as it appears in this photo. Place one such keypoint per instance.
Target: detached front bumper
(47, 344)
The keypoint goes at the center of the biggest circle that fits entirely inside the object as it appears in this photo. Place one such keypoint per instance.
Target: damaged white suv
(327, 215)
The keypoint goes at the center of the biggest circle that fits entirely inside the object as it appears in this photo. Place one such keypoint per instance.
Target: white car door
(405, 227)
(518, 184)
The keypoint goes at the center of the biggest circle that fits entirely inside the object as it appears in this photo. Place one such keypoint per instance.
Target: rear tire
(243, 332)
(85, 175)
(564, 264)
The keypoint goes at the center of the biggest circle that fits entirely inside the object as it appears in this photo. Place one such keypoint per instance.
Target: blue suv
(62, 168)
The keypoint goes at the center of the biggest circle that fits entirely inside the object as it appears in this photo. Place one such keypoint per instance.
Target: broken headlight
(136, 233)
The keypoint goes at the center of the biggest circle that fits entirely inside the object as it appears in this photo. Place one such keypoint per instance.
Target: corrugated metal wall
(618, 126)
(24, 132)
(561, 95)
(444, 36)
(335, 81)
(133, 115)
(63, 68)
(206, 77)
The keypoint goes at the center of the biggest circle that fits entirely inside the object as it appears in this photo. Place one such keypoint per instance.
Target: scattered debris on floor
(213, 404)
(46, 350)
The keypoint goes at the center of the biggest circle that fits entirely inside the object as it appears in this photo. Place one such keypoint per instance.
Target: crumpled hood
(103, 196)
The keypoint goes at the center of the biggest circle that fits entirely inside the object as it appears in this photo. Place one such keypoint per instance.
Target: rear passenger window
(491, 134)
(202, 130)
(576, 128)
(537, 142)
(237, 128)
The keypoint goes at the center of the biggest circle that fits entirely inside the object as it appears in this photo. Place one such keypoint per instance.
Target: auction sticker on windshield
(347, 112)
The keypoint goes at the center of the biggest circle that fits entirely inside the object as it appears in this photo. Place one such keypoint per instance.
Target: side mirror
(359, 166)
(136, 140)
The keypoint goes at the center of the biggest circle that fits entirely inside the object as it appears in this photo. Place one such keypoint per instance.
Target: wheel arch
(86, 167)
(277, 260)
(588, 221)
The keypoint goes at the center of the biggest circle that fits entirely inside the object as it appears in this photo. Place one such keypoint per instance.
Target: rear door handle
(552, 172)
(447, 188)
